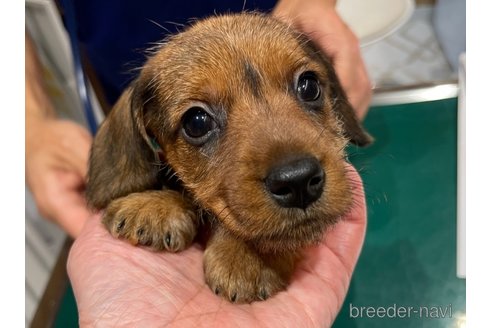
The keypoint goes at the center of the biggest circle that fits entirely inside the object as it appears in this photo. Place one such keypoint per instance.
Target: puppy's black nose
(296, 183)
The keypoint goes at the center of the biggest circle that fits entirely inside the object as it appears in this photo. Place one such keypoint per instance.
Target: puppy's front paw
(237, 273)
(159, 219)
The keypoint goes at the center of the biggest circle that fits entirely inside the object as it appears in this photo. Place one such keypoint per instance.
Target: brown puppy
(237, 122)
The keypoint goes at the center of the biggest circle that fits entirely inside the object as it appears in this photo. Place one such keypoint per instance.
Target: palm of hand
(117, 284)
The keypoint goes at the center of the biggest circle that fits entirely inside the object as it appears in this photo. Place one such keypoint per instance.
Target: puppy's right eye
(308, 88)
(197, 126)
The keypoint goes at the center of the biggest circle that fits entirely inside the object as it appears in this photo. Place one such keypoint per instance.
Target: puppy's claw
(263, 294)
(168, 240)
(233, 297)
(120, 226)
(217, 291)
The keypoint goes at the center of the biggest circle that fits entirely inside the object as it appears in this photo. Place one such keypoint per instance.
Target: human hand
(319, 20)
(117, 284)
(57, 155)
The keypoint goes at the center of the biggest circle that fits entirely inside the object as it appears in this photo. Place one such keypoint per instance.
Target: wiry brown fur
(243, 68)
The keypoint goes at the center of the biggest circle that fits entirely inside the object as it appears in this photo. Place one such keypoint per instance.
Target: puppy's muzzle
(297, 183)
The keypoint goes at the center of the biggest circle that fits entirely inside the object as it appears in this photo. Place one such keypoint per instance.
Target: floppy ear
(352, 127)
(123, 159)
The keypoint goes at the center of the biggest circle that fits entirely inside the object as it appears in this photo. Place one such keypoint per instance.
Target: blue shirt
(114, 33)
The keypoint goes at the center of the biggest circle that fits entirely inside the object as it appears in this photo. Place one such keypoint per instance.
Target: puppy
(239, 124)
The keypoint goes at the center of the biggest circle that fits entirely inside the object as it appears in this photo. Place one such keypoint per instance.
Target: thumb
(70, 210)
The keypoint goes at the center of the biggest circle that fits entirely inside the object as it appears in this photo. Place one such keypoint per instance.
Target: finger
(78, 215)
(68, 203)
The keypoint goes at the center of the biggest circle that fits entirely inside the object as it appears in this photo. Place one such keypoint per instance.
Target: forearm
(38, 104)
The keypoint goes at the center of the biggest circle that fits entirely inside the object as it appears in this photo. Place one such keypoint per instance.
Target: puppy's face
(245, 111)
(252, 119)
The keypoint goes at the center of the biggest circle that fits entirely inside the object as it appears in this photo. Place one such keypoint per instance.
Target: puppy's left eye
(197, 125)
(308, 88)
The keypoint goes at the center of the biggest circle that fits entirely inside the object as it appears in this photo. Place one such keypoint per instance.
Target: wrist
(38, 103)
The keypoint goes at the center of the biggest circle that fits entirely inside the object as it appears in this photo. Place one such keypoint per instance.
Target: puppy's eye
(308, 88)
(197, 125)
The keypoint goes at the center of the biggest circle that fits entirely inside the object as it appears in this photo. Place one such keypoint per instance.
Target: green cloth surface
(409, 255)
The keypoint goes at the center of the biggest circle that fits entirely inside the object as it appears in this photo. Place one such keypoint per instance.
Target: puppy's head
(250, 117)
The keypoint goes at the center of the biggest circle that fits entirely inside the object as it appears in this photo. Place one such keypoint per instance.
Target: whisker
(159, 25)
